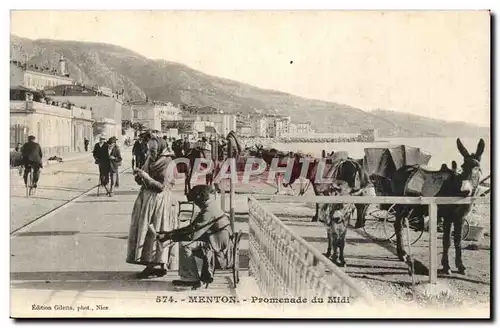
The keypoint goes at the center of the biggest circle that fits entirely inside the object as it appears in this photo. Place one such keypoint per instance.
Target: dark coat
(114, 151)
(100, 153)
(31, 153)
(140, 149)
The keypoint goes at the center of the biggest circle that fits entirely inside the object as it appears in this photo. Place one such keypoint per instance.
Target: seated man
(207, 237)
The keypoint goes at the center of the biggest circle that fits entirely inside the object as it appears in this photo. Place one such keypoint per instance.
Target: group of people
(107, 156)
(154, 231)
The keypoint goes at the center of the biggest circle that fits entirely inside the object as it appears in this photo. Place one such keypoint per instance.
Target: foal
(336, 218)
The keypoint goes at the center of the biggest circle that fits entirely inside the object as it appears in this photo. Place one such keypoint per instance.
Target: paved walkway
(59, 182)
(76, 256)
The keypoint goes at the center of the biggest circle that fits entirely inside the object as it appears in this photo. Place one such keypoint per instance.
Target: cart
(381, 164)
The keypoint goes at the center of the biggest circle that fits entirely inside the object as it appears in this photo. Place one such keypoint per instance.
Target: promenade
(75, 256)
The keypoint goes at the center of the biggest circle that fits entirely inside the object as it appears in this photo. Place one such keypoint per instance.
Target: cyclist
(32, 158)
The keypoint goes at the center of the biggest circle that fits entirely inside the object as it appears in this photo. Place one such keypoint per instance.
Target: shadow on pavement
(41, 188)
(47, 233)
(104, 200)
(44, 198)
(103, 281)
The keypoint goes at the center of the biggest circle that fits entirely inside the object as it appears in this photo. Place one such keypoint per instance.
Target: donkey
(442, 183)
(347, 170)
(337, 218)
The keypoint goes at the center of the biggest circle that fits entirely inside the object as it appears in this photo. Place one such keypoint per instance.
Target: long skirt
(153, 212)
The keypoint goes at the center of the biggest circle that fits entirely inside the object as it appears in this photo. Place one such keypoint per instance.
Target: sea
(442, 150)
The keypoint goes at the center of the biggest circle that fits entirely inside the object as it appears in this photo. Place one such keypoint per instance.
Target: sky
(435, 64)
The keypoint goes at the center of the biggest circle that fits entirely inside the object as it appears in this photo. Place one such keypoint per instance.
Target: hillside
(117, 68)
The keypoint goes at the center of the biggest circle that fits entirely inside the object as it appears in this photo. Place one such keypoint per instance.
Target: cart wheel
(416, 228)
(376, 220)
(465, 230)
(236, 258)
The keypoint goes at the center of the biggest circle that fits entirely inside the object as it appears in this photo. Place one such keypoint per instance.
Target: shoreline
(268, 141)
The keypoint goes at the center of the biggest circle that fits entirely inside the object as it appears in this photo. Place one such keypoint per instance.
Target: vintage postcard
(250, 164)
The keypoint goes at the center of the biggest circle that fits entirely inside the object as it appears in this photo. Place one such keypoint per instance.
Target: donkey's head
(471, 167)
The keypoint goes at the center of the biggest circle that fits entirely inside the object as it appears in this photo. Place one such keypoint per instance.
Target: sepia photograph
(250, 164)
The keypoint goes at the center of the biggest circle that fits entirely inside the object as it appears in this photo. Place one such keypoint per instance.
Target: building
(285, 122)
(368, 135)
(82, 127)
(150, 114)
(271, 126)
(223, 122)
(245, 131)
(277, 125)
(58, 129)
(189, 126)
(304, 128)
(38, 78)
(259, 126)
(103, 106)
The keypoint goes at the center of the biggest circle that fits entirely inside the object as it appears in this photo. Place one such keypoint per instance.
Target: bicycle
(382, 220)
(30, 187)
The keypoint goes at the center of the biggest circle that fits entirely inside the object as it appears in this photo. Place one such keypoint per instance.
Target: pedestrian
(152, 211)
(86, 144)
(101, 157)
(18, 147)
(139, 152)
(207, 237)
(115, 161)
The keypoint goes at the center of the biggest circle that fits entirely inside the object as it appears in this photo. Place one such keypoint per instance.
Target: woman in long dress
(153, 211)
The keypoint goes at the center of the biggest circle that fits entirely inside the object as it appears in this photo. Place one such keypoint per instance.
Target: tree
(138, 126)
(181, 126)
(97, 128)
(126, 124)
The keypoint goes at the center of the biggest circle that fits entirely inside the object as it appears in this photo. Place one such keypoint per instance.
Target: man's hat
(102, 138)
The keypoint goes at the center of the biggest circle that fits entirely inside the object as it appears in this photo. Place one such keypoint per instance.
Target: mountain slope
(120, 68)
(439, 127)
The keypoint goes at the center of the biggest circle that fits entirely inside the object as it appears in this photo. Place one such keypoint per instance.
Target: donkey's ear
(454, 165)
(480, 149)
(462, 149)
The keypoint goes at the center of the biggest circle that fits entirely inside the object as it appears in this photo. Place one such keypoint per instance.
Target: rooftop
(40, 69)
(78, 89)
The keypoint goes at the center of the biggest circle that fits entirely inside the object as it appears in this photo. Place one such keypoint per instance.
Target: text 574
(165, 299)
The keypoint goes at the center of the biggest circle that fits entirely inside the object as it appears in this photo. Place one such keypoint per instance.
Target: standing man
(32, 159)
(101, 157)
(186, 145)
(139, 152)
(86, 144)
